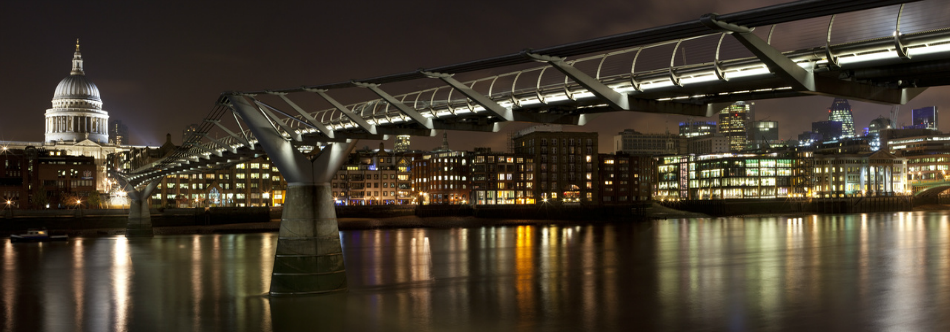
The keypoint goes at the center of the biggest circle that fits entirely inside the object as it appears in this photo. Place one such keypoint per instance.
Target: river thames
(876, 272)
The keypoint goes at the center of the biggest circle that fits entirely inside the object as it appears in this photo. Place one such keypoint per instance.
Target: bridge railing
(541, 89)
(660, 71)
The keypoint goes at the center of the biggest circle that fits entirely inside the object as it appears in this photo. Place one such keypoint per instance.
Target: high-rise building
(188, 132)
(874, 131)
(697, 128)
(829, 130)
(119, 132)
(735, 122)
(925, 118)
(709, 144)
(841, 111)
(402, 143)
(764, 133)
(633, 142)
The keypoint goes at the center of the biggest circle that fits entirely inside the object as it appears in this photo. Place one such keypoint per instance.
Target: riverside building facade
(725, 176)
(374, 177)
(566, 164)
(36, 178)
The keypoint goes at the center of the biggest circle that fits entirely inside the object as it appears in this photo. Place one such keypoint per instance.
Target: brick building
(39, 178)
(623, 178)
(564, 164)
(501, 178)
(442, 177)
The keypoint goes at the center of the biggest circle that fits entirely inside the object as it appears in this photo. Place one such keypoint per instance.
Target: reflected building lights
(121, 275)
(10, 280)
(79, 280)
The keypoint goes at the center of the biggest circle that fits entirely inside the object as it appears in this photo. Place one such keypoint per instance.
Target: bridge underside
(309, 147)
(933, 191)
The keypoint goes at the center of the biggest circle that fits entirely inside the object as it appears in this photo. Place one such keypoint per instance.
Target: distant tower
(119, 132)
(402, 144)
(445, 143)
(874, 131)
(925, 118)
(841, 111)
(188, 132)
(735, 122)
(77, 112)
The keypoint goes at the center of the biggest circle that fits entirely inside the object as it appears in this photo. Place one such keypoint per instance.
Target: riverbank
(345, 224)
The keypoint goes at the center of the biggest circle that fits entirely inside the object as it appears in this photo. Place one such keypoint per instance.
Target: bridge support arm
(309, 256)
(490, 105)
(422, 120)
(205, 149)
(777, 62)
(290, 131)
(616, 100)
(232, 134)
(346, 111)
(220, 143)
(323, 129)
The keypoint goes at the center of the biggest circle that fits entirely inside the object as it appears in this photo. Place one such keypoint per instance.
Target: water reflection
(844, 272)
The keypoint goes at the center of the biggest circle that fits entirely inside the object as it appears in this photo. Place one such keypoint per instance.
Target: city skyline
(158, 78)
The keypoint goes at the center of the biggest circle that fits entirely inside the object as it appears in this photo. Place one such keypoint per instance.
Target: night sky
(160, 65)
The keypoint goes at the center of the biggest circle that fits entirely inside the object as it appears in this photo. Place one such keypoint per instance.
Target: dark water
(852, 272)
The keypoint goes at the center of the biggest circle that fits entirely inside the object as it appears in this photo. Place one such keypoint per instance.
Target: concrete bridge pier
(309, 258)
(140, 218)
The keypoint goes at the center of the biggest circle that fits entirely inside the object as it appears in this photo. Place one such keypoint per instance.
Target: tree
(93, 199)
(39, 199)
(67, 200)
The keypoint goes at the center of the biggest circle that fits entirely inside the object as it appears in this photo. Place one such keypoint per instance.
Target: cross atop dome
(77, 61)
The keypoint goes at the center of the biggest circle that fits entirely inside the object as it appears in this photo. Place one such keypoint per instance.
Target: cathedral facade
(76, 125)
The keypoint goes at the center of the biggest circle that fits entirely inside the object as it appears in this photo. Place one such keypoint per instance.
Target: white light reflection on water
(9, 284)
(79, 280)
(196, 278)
(121, 275)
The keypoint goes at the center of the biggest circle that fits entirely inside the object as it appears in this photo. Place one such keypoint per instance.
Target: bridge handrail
(661, 82)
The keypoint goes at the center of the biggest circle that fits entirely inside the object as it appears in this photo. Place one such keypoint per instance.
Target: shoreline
(368, 223)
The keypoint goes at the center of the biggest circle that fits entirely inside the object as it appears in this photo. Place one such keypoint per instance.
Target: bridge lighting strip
(868, 57)
(928, 49)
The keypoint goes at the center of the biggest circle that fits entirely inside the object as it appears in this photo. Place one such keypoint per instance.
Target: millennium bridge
(871, 50)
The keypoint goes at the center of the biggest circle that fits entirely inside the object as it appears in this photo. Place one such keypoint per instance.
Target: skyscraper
(692, 128)
(735, 122)
(402, 143)
(118, 131)
(925, 118)
(829, 130)
(874, 131)
(764, 133)
(841, 111)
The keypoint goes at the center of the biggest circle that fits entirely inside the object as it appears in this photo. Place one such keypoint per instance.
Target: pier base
(309, 257)
(140, 220)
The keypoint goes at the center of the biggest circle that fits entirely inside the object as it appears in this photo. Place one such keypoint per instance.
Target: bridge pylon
(309, 256)
(140, 216)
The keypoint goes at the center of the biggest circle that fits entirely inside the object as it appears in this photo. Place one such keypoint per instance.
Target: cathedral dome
(76, 87)
(77, 112)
